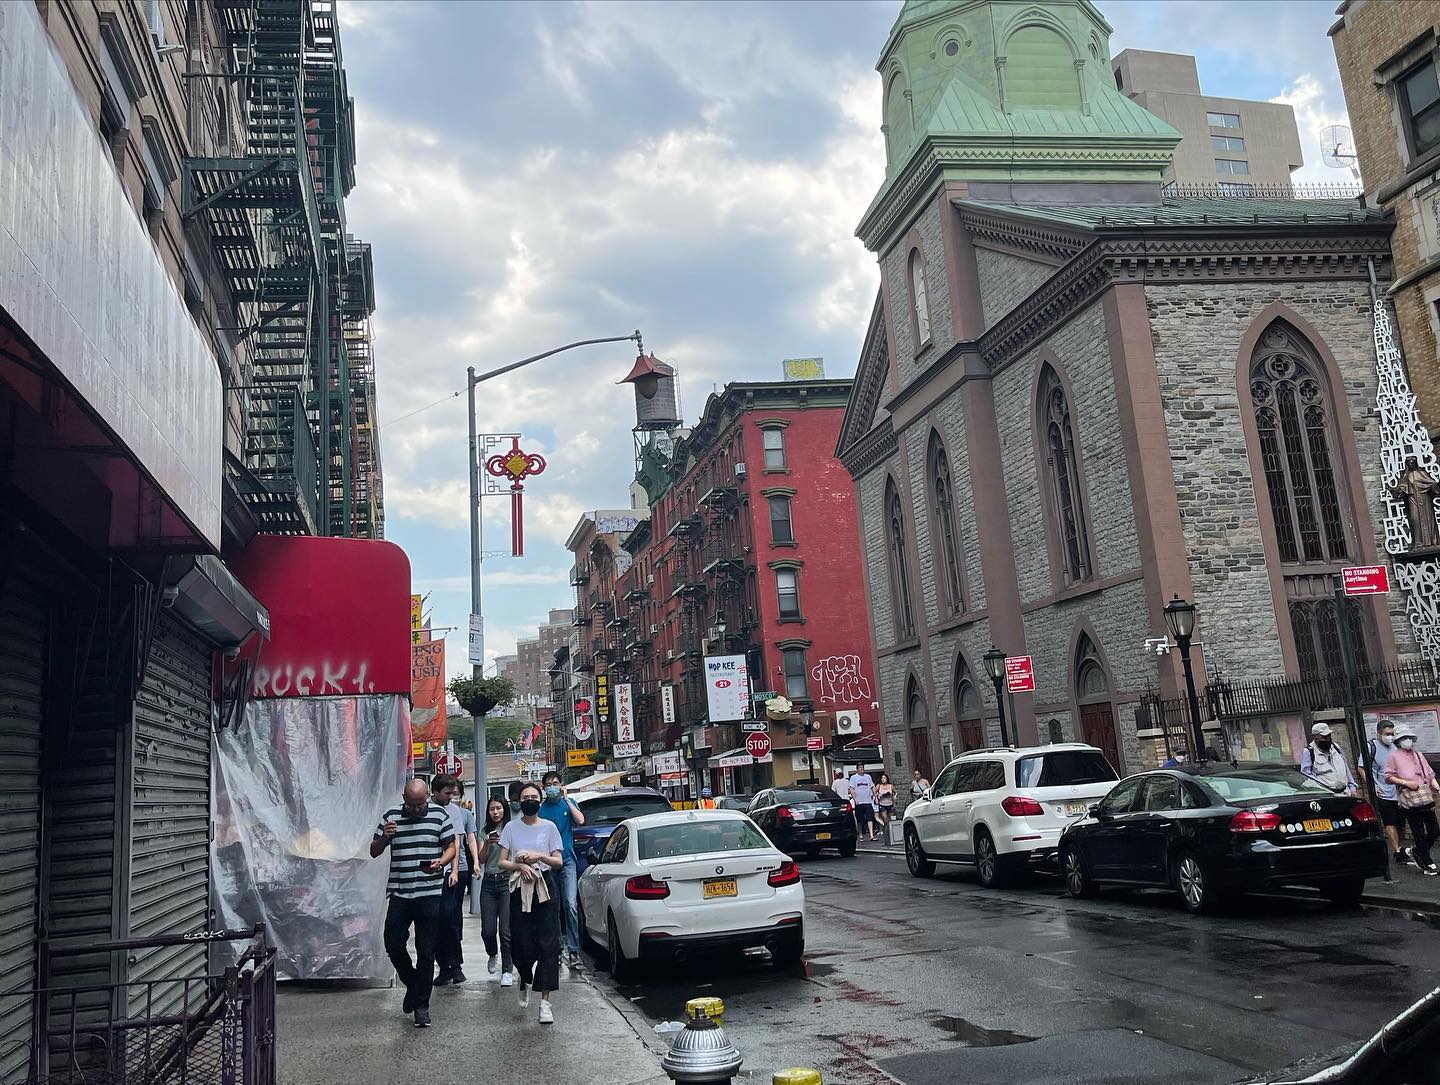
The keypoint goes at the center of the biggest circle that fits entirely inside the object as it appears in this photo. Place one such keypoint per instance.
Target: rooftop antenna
(1337, 149)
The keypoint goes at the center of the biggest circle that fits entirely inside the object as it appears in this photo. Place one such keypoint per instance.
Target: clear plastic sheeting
(299, 787)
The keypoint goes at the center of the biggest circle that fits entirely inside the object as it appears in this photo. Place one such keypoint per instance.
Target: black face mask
(529, 807)
(1323, 743)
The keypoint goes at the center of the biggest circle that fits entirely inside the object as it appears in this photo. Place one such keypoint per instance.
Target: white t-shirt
(863, 789)
(841, 787)
(542, 837)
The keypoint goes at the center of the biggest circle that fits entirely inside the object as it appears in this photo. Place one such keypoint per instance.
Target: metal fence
(1408, 682)
(1230, 190)
(210, 1028)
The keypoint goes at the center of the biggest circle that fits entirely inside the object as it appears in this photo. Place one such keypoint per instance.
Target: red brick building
(750, 550)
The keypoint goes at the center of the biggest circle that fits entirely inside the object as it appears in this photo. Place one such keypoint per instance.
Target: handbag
(1422, 796)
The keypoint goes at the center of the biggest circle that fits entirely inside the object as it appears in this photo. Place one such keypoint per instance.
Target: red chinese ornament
(517, 466)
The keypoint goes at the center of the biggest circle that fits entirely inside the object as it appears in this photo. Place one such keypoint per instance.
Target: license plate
(1076, 809)
(822, 836)
(720, 887)
(1318, 825)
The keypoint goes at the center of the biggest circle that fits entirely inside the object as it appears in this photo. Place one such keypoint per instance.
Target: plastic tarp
(299, 787)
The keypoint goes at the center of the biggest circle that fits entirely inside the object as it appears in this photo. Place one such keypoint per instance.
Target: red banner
(427, 692)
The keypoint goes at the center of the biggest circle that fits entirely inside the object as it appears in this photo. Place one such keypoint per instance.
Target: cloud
(1316, 108)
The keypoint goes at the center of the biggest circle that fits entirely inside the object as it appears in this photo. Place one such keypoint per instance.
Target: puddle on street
(973, 1035)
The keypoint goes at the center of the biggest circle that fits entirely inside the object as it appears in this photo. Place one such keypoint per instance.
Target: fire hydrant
(700, 1053)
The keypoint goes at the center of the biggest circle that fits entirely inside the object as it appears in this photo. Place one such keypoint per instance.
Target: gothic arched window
(1063, 477)
(968, 708)
(1292, 418)
(899, 564)
(919, 300)
(945, 538)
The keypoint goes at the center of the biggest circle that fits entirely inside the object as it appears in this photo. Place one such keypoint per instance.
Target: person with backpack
(1414, 782)
(1391, 816)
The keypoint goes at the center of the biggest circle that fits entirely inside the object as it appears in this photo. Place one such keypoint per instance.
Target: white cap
(1321, 728)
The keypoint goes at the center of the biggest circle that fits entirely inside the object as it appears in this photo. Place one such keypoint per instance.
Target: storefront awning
(203, 592)
(730, 759)
(597, 782)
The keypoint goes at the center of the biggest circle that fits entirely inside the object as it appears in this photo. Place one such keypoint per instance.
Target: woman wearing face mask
(1414, 782)
(495, 892)
(530, 852)
(562, 811)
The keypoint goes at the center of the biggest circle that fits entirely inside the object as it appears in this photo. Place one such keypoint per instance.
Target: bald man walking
(421, 840)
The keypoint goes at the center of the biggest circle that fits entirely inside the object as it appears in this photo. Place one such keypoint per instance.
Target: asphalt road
(940, 981)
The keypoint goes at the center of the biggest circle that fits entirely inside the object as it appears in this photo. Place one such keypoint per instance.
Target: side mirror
(1095, 811)
(592, 855)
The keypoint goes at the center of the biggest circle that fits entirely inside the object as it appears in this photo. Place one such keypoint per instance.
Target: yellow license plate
(720, 887)
(1319, 825)
(822, 836)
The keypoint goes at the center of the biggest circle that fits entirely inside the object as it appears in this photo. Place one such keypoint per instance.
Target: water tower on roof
(657, 411)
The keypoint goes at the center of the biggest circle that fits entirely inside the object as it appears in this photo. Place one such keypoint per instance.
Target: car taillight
(644, 887)
(1020, 806)
(1364, 812)
(1248, 821)
(784, 813)
(788, 874)
(849, 807)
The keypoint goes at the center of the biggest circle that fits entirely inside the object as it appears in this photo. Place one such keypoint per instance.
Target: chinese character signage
(427, 691)
(727, 688)
(603, 707)
(624, 713)
(667, 704)
(583, 725)
(416, 624)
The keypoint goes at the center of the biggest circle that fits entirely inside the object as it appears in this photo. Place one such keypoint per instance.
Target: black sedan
(1221, 828)
(805, 819)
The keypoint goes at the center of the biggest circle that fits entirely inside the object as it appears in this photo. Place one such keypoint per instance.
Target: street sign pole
(481, 796)
(1355, 715)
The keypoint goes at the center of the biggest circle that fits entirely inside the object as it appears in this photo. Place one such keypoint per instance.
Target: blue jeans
(569, 890)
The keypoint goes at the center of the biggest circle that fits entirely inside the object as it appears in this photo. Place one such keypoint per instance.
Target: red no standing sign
(1366, 579)
(1019, 674)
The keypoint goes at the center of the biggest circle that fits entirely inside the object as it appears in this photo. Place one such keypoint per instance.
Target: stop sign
(448, 764)
(758, 743)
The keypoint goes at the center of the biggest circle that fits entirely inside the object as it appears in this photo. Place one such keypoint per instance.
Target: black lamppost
(1180, 620)
(718, 627)
(995, 668)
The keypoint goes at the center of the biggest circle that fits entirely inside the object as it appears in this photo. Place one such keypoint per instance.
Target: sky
(531, 174)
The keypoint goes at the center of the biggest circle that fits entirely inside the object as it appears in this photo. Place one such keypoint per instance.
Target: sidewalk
(329, 1035)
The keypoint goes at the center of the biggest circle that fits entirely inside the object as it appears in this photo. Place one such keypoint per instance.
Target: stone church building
(1079, 398)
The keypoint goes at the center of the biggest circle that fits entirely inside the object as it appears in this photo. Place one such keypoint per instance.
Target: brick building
(1387, 54)
(529, 668)
(1078, 399)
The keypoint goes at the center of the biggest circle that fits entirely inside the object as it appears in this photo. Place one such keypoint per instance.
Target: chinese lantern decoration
(516, 465)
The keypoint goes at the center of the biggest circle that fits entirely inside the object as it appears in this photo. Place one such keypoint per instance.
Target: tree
(498, 731)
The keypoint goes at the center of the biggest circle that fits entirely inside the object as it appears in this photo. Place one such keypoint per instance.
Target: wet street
(940, 981)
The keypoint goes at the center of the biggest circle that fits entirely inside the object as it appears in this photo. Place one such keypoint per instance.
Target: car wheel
(788, 955)
(920, 866)
(848, 850)
(1077, 879)
(988, 866)
(1193, 882)
(622, 968)
(1344, 893)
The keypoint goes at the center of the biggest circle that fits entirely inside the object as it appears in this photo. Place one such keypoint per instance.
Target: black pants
(535, 939)
(1423, 828)
(448, 953)
(424, 913)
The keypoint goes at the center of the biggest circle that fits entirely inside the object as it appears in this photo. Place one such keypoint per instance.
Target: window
(1231, 165)
(701, 838)
(980, 776)
(946, 539)
(899, 565)
(1090, 681)
(919, 301)
(1223, 120)
(1122, 798)
(795, 687)
(1317, 638)
(945, 784)
(781, 529)
(1064, 768)
(618, 848)
(774, 449)
(1227, 143)
(1277, 782)
(1065, 490)
(1161, 793)
(155, 20)
(787, 588)
(1420, 105)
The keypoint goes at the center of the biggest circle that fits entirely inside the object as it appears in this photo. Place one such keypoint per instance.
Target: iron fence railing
(1251, 190)
(1414, 681)
(212, 1027)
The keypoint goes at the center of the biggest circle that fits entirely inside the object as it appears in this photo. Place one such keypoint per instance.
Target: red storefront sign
(1019, 674)
(1366, 579)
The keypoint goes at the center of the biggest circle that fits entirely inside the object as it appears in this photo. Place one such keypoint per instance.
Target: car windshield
(1237, 785)
(822, 795)
(1064, 767)
(613, 809)
(700, 838)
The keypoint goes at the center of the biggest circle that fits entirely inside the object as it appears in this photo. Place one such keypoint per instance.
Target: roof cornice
(870, 375)
(871, 450)
(1055, 242)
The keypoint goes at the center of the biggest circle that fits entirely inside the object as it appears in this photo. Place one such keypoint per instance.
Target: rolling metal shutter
(169, 889)
(23, 609)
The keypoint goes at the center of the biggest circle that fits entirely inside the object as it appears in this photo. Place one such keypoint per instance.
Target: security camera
(1158, 646)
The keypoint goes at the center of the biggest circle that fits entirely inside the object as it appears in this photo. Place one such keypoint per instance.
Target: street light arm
(633, 336)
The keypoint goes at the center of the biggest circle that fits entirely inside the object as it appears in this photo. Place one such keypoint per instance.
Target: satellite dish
(1337, 148)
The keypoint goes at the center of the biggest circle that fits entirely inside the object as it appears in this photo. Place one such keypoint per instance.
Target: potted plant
(481, 696)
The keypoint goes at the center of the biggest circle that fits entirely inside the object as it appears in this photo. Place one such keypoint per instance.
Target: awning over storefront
(598, 782)
(731, 759)
(209, 598)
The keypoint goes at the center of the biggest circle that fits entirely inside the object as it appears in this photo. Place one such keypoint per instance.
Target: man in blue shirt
(559, 808)
(1381, 747)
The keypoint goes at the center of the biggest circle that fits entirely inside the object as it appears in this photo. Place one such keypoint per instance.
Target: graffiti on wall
(840, 680)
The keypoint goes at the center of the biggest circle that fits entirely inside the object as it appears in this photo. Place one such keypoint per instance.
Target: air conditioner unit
(670, 655)
(654, 630)
(847, 722)
(739, 470)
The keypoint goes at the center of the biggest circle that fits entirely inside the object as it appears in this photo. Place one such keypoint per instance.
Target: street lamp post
(995, 668)
(472, 379)
(1180, 620)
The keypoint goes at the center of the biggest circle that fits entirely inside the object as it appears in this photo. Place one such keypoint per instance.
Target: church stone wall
(948, 417)
(1006, 280)
(896, 280)
(871, 490)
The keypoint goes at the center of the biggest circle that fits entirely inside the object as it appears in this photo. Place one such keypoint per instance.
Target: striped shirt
(416, 842)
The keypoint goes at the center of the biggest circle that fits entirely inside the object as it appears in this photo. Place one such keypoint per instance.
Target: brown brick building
(529, 667)
(1387, 53)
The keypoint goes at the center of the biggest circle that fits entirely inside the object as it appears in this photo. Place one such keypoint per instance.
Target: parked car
(604, 810)
(734, 802)
(671, 886)
(1223, 827)
(1004, 809)
(805, 819)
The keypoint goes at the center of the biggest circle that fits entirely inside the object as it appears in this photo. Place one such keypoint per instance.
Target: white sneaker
(493, 965)
(506, 979)
(524, 996)
(547, 1015)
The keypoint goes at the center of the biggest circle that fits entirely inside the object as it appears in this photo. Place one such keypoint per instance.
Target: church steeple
(1000, 91)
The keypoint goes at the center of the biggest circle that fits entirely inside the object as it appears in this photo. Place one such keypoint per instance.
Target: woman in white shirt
(531, 851)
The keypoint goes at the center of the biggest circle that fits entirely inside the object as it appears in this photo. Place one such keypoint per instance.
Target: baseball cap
(1321, 729)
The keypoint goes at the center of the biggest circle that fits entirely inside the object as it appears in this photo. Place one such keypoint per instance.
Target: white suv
(1004, 809)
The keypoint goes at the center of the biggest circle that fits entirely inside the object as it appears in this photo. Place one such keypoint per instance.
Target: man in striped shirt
(421, 840)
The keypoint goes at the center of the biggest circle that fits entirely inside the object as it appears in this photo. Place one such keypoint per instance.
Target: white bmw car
(671, 885)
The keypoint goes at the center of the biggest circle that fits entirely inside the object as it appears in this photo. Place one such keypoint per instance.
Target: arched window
(1292, 417)
(919, 300)
(968, 708)
(899, 564)
(917, 718)
(1063, 477)
(945, 538)
(1090, 681)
